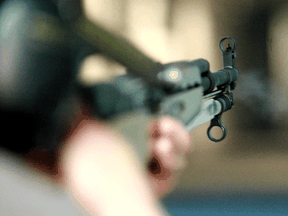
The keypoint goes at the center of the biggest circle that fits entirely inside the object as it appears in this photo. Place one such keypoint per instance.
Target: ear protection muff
(35, 71)
(35, 57)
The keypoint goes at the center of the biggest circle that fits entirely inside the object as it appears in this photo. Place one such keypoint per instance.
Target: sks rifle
(186, 90)
(42, 40)
(41, 32)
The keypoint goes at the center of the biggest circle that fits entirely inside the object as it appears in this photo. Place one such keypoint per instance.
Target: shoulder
(24, 191)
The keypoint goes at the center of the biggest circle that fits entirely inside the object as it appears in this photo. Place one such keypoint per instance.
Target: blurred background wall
(254, 156)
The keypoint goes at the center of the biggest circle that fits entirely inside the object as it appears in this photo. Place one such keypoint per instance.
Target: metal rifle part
(226, 98)
(184, 100)
(181, 95)
(210, 109)
(189, 96)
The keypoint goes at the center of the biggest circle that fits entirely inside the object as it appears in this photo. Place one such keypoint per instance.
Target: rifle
(39, 38)
(186, 90)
